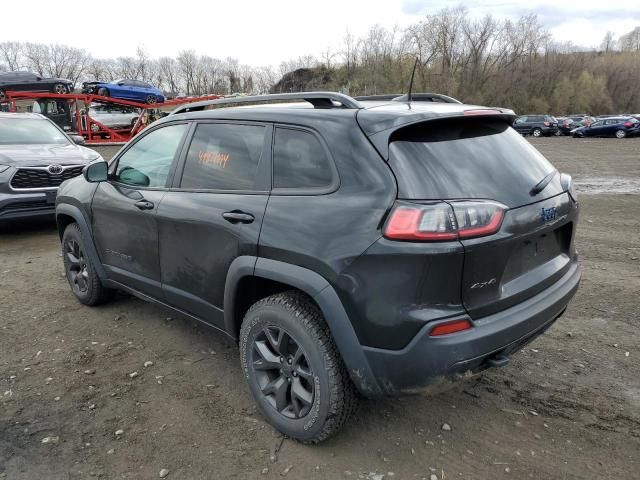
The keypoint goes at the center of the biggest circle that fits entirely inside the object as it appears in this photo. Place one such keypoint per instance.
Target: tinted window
(299, 161)
(148, 162)
(471, 158)
(223, 157)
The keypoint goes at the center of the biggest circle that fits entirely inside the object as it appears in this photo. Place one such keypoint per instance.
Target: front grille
(27, 205)
(41, 178)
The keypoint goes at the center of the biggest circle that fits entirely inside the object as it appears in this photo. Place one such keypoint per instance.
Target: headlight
(3, 168)
(567, 184)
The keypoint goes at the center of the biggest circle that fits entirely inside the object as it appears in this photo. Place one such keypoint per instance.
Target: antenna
(413, 72)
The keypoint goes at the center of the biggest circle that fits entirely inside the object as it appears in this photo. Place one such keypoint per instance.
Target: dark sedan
(31, 82)
(619, 127)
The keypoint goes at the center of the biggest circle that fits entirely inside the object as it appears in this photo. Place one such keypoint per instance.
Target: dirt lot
(567, 407)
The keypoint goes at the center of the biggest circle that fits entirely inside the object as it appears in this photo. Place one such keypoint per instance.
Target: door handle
(144, 205)
(237, 216)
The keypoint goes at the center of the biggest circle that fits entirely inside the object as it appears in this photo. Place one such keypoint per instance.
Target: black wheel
(151, 99)
(536, 132)
(621, 133)
(134, 121)
(295, 373)
(60, 88)
(80, 273)
(2, 95)
(103, 92)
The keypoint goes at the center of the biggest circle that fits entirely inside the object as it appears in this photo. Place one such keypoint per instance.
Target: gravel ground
(566, 407)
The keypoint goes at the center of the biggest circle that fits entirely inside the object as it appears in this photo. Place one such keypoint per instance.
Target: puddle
(607, 185)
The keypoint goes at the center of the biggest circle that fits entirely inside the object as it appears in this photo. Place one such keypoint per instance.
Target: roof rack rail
(317, 99)
(415, 97)
(389, 96)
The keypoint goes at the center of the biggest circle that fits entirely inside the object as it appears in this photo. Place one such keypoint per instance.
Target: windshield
(30, 131)
(467, 158)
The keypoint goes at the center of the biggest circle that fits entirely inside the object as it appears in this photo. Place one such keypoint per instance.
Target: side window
(223, 157)
(300, 161)
(148, 162)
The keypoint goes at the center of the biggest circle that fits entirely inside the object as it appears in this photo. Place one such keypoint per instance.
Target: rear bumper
(426, 361)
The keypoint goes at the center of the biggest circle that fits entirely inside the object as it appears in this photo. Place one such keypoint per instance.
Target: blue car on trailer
(126, 89)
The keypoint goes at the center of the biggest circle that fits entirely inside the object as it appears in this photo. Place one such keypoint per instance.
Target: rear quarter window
(466, 158)
(300, 161)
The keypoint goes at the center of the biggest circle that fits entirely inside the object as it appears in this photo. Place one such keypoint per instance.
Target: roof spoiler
(317, 99)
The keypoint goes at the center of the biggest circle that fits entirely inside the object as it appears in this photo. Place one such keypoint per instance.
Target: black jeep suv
(377, 247)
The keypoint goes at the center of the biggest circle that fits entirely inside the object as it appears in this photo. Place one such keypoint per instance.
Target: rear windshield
(467, 158)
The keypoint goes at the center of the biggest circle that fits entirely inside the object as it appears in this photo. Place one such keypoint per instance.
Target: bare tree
(11, 54)
(608, 42)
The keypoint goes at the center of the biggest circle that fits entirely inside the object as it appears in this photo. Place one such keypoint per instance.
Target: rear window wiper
(542, 184)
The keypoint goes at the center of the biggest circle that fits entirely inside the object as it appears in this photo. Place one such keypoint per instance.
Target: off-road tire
(334, 397)
(95, 293)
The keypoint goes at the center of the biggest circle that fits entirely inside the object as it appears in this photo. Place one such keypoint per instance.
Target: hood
(43, 155)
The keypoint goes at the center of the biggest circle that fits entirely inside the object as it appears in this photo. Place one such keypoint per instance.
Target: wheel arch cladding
(67, 214)
(321, 292)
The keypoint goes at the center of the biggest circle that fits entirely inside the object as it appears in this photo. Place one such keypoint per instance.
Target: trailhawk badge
(549, 214)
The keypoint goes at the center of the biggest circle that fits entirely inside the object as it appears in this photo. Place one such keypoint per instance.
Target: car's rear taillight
(444, 221)
(452, 326)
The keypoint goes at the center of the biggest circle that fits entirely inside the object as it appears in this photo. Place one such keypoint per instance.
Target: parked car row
(579, 125)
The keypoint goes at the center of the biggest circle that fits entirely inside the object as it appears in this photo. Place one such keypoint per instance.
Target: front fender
(85, 229)
(323, 294)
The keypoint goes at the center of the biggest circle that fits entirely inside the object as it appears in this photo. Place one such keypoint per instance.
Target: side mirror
(120, 84)
(77, 139)
(96, 172)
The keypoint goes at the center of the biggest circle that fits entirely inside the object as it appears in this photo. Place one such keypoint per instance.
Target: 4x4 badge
(549, 214)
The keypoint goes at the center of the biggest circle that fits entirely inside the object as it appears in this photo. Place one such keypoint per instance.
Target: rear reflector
(450, 327)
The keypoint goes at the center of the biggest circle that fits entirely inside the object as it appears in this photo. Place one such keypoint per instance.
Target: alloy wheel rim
(60, 89)
(620, 134)
(77, 270)
(151, 99)
(283, 373)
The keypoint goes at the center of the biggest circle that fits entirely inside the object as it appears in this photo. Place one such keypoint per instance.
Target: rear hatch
(484, 159)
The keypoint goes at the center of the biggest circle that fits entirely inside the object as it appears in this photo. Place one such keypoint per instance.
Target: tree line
(491, 61)
(488, 61)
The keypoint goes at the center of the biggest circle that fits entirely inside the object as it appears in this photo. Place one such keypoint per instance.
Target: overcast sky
(259, 32)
